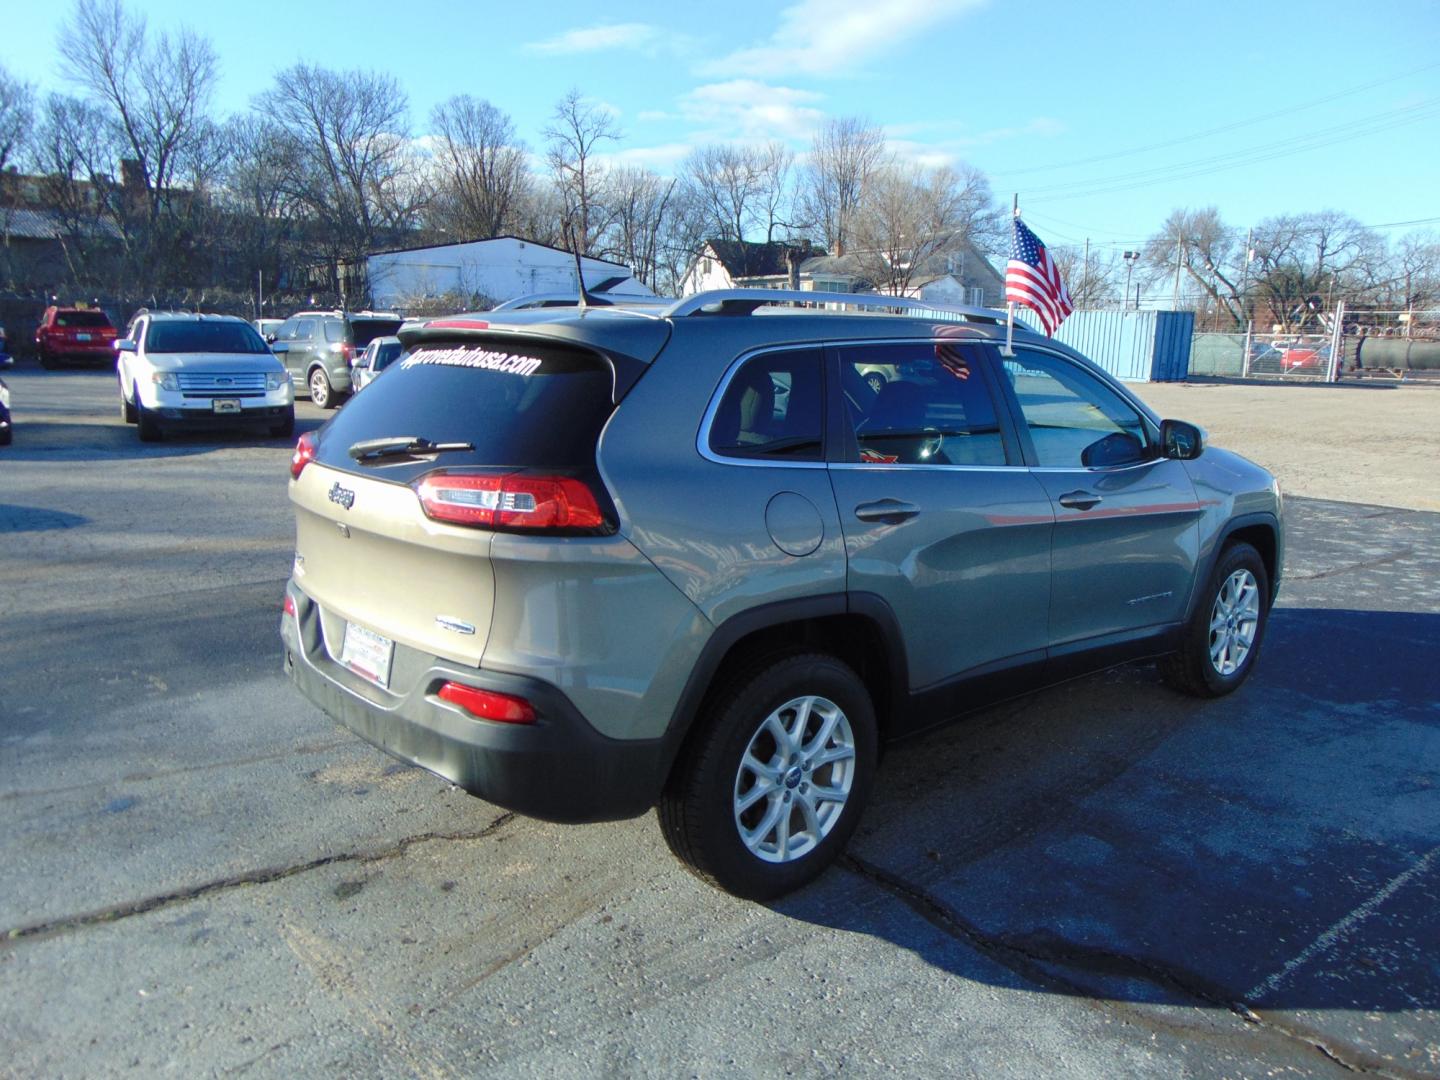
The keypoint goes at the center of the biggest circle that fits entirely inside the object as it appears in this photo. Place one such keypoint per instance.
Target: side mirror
(279, 348)
(1180, 440)
(6, 360)
(270, 339)
(125, 345)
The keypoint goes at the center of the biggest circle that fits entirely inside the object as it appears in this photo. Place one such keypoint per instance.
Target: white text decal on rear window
(485, 359)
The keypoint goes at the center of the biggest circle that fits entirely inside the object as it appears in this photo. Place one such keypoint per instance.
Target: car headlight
(166, 380)
(275, 380)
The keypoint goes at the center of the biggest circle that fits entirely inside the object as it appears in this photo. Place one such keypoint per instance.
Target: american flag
(1032, 279)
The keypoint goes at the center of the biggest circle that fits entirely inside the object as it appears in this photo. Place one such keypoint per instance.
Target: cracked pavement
(205, 875)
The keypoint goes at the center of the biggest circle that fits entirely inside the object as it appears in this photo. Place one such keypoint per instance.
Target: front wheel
(773, 783)
(147, 426)
(1222, 642)
(286, 427)
(127, 409)
(321, 392)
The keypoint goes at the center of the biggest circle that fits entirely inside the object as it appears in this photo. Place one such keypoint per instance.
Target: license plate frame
(225, 406)
(368, 654)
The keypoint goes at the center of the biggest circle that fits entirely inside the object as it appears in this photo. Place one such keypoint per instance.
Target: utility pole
(1179, 250)
(1245, 273)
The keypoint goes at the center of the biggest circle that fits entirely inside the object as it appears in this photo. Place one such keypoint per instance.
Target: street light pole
(1131, 258)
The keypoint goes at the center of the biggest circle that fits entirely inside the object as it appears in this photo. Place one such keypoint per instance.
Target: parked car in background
(317, 348)
(623, 569)
(7, 425)
(182, 370)
(266, 327)
(75, 333)
(378, 355)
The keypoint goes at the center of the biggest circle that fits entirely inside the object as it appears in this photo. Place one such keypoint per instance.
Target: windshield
(211, 337)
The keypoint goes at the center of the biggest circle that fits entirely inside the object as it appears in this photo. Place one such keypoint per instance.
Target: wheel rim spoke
(1234, 622)
(783, 771)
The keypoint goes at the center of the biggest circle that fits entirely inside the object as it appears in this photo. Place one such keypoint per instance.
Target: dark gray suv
(695, 559)
(318, 347)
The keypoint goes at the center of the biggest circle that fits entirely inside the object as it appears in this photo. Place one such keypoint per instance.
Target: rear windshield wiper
(402, 445)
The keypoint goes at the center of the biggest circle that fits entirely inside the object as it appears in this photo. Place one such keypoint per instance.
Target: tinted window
(385, 355)
(919, 404)
(772, 409)
(1074, 419)
(81, 318)
(221, 337)
(520, 405)
(367, 330)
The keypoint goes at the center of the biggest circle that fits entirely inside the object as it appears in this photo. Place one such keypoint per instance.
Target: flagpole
(1009, 349)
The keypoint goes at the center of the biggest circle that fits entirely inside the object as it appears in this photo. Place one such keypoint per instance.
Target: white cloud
(663, 159)
(641, 36)
(747, 109)
(833, 37)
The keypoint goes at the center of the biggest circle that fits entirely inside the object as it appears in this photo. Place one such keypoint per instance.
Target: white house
(498, 269)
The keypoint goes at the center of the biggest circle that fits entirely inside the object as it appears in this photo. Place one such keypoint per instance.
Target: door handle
(1079, 500)
(886, 511)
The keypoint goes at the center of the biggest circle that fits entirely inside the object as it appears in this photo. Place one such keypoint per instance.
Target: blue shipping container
(1137, 346)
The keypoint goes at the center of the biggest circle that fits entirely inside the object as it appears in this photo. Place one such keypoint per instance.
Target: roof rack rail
(745, 301)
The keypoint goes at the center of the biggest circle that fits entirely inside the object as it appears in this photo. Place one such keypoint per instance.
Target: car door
(303, 346)
(941, 519)
(1126, 535)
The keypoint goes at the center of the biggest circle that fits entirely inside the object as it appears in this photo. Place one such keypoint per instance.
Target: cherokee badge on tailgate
(344, 496)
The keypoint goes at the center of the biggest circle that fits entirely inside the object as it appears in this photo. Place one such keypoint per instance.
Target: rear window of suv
(522, 405)
(81, 318)
(367, 330)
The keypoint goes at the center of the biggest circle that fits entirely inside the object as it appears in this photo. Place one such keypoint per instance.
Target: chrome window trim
(702, 440)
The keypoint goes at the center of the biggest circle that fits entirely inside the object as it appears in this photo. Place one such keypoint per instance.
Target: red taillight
(487, 704)
(348, 352)
(304, 454)
(289, 604)
(512, 501)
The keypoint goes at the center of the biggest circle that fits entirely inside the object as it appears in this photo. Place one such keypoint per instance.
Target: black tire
(7, 434)
(127, 409)
(286, 428)
(47, 361)
(322, 394)
(146, 424)
(698, 808)
(1191, 670)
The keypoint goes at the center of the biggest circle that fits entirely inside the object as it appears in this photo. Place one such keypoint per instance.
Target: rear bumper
(559, 768)
(207, 417)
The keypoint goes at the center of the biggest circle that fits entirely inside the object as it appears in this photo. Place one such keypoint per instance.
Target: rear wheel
(1223, 639)
(321, 392)
(773, 783)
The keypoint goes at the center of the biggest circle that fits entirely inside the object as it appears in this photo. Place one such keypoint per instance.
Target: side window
(919, 404)
(304, 330)
(772, 409)
(1075, 420)
(334, 330)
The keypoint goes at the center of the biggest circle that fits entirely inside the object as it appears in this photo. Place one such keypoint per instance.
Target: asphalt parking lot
(203, 875)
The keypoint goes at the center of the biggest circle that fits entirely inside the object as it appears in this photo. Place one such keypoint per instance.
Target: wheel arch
(1262, 532)
(857, 628)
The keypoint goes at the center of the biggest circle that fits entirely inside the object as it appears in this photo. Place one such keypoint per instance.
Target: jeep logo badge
(344, 496)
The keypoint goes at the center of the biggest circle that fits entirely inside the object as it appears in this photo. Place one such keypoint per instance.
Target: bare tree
(576, 129)
(1413, 272)
(74, 148)
(17, 116)
(1304, 263)
(1209, 254)
(639, 208)
(1092, 278)
(481, 174)
(355, 171)
(912, 214)
(155, 91)
(844, 155)
(742, 189)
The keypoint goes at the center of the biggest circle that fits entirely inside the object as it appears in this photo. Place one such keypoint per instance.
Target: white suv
(178, 369)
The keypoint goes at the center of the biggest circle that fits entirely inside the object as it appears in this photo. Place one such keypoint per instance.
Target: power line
(1218, 130)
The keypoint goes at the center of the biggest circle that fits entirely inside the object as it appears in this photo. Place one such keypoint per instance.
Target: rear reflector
(487, 704)
(304, 454)
(512, 501)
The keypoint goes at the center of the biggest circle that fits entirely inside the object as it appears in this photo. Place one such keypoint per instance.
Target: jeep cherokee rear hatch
(399, 496)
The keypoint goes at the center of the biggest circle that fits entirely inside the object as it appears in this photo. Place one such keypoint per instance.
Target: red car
(72, 333)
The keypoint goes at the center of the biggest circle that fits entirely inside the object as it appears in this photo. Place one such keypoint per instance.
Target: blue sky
(1104, 116)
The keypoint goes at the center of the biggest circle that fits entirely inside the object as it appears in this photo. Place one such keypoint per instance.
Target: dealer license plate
(226, 405)
(367, 653)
